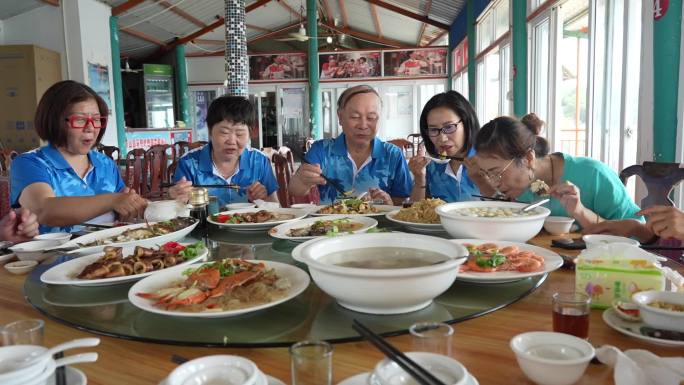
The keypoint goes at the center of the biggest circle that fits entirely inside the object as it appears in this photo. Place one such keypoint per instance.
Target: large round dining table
(480, 342)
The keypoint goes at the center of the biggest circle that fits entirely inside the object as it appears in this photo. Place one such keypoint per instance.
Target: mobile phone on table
(569, 243)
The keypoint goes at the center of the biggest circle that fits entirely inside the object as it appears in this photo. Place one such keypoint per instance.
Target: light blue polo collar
(206, 164)
(57, 159)
(340, 147)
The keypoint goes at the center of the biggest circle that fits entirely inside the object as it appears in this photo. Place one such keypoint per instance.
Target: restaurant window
(532, 5)
(460, 83)
(493, 69)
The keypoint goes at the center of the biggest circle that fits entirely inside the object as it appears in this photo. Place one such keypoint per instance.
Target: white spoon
(534, 205)
(78, 343)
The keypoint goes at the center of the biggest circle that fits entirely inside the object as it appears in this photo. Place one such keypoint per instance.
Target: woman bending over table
(227, 158)
(357, 159)
(67, 182)
(448, 126)
(514, 159)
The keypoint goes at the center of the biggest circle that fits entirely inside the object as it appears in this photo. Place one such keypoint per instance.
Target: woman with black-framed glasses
(67, 182)
(515, 159)
(448, 125)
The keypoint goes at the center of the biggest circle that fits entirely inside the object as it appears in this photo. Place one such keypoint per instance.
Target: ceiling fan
(301, 36)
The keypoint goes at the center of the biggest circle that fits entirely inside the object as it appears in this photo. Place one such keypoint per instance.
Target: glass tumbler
(311, 363)
(571, 314)
(433, 337)
(23, 332)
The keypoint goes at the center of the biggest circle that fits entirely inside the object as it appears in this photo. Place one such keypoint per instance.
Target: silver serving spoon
(534, 205)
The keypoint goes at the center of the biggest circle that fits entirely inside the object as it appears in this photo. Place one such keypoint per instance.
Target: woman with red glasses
(67, 182)
(515, 159)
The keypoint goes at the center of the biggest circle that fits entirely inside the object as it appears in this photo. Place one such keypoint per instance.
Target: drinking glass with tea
(571, 314)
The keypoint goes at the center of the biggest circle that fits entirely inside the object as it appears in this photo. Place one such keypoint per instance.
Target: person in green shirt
(513, 158)
(662, 222)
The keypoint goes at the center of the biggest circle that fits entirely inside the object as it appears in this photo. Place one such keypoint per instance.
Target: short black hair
(53, 108)
(509, 138)
(236, 109)
(458, 104)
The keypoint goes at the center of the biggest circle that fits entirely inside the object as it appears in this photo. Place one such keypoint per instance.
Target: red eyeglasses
(79, 121)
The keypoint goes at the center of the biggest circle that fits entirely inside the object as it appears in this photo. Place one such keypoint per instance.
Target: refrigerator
(158, 94)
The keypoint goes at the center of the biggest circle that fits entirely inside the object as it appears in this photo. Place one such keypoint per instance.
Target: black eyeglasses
(446, 129)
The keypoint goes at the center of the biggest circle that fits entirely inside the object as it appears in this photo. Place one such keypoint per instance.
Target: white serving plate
(65, 273)
(106, 233)
(298, 214)
(382, 210)
(413, 226)
(631, 329)
(552, 261)
(282, 230)
(299, 281)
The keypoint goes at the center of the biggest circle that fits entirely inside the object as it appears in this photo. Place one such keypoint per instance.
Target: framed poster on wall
(418, 62)
(340, 65)
(285, 66)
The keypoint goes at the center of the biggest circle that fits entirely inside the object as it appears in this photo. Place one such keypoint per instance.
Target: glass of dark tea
(571, 314)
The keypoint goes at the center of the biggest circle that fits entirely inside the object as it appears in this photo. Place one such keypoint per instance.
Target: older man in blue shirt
(227, 159)
(356, 159)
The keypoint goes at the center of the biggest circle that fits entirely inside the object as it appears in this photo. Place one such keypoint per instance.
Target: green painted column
(182, 85)
(314, 86)
(472, 45)
(450, 68)
(519, 48)
(118, 85)
(666, 43)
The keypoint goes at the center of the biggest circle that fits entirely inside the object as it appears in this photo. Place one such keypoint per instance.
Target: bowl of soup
(661, 309)
(383, 273)
(501, 221)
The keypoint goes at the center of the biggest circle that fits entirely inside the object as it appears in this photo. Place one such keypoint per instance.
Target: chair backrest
(404, 145)
(282, 173)
(287, 153)
(181, 148)
(269, 151)
(194, 145)
(137, 171)
(171, 170)
(660, 179)
(415, 140)
(158, 159)
(110, 151)
(6, 157)
(307, 145)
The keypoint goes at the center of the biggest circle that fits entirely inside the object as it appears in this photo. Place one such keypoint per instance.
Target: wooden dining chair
(269, 151)
(136, 171)
(7, 155)
(282, 173)
(287, 153)
(415, 140)
(198, 144)
(181, 148)
(403, 144)
(659, 178)
(158, 158)
(110, 151)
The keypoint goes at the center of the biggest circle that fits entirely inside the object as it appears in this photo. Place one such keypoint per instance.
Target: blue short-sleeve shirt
(198, 167)
(387, 169)
(443, 183)
(47, 165)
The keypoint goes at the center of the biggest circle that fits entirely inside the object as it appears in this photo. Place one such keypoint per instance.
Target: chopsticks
(332, 182)
(411, 367)
(232, 186)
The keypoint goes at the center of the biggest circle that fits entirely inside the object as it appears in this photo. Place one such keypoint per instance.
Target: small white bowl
(165, 210)
(18, 353)
(34, 250)
(513, 229)
(558, 225)
(230, 370)
(310, 207)
(549, 358)
(381, 291)
(57, 237)
(445, 368)
(21, 267)
(241, 205)
(602, 239)
(660, 318)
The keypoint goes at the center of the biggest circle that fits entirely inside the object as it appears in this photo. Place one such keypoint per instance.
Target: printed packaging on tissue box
(616, 271)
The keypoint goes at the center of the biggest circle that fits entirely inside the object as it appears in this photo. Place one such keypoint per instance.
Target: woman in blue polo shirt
(66, 182)
(356, 159)
(448, 126)
(227, 159)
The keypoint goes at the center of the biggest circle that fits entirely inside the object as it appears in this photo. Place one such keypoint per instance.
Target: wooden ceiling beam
(119, 9)
(273, 33)
(257, 28)
(376, 20)
(209, 41)
(145, 37)
(343, 10)
(422, 25)
(256, 5)
(54, 3)
(203, 31)
(404, 12)
(182, 13)
(367, 36)
(287, 7)
(434, 39)
(328, 11)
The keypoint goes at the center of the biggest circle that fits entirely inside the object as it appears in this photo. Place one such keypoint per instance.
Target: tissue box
(616, 271)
